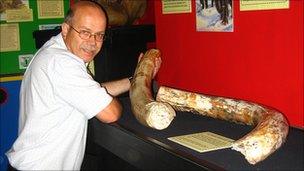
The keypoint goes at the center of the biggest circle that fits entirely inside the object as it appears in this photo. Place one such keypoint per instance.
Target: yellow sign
(203, 142)
(19, 15)
(176, 6)
(50, 9)
(248, 5)
(10, 40)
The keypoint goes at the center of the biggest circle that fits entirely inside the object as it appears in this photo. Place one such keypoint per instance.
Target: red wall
(261, 61)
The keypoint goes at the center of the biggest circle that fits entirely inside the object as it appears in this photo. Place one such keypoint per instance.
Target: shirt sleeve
(77, 88)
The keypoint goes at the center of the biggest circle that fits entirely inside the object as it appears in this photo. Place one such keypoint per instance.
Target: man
(58, 96)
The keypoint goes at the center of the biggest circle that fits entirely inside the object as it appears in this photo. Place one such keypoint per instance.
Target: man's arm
(117, 87)
(111, 113)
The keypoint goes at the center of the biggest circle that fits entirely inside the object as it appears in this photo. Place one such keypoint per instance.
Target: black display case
(149, 149)
(120, 51)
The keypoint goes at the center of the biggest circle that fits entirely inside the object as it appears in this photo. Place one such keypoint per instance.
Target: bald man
(58, 96)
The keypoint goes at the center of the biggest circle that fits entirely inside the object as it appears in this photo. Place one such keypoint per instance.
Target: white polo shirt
(57, 98)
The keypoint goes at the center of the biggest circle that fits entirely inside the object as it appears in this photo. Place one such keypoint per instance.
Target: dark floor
(98, 158)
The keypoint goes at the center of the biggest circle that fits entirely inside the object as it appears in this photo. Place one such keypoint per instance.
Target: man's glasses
(85, 35)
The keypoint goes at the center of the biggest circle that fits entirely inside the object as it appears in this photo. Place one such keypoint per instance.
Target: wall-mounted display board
(17, 42)
(9, 102)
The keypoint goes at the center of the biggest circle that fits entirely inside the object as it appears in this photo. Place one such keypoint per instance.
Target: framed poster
(50, 9)
(10, 38)
(176, 6)
(249, 5)
(11, 5)
(214, 15)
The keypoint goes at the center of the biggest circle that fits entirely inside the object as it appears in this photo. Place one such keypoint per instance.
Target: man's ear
(64, 29)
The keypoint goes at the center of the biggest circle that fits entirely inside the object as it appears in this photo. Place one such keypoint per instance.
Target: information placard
(203, 142)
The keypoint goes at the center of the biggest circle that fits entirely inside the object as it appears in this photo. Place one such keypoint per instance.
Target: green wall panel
(9, 63)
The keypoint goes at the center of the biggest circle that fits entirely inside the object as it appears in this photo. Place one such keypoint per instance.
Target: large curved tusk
(271, 127)
(157, 115)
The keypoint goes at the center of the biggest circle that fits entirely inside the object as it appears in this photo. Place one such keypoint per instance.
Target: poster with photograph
(11, 5)
(214, 15)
